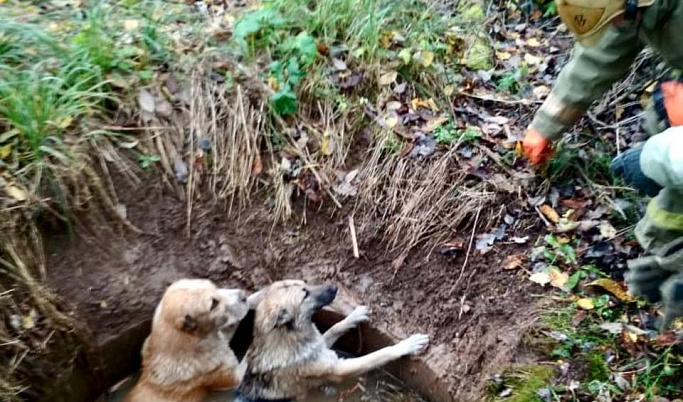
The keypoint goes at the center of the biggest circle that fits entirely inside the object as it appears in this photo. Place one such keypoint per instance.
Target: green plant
(147, 160)
(447, 135)
(558, 249)
(514, 81)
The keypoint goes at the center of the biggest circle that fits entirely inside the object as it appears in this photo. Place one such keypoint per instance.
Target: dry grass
(410, 201)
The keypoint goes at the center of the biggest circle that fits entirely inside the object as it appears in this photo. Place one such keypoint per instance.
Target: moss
(478, 56)
(597, 367)
(524, 382)
(471, 11)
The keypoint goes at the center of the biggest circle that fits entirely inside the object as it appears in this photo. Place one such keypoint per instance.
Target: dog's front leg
(352, 367)
(358, 315)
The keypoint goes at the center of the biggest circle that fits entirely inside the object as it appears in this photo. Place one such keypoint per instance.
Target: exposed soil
(475, 329)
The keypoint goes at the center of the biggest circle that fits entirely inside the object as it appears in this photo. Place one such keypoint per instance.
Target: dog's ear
(284, 319)
(187, 323)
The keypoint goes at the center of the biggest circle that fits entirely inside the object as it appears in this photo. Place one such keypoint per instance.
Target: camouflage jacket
(590, 72)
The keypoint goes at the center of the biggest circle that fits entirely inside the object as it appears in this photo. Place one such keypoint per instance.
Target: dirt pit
(113, 283)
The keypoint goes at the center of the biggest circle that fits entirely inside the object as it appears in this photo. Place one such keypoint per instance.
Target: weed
(514, 81)
(524, 383)
(447, 135)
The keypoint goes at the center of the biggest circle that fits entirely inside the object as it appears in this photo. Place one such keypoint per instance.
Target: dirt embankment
(475, 318)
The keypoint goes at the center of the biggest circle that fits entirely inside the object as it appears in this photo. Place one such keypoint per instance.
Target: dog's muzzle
(326, 295)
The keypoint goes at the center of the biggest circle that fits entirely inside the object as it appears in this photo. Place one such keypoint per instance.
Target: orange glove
(673, 102)
(536, 147)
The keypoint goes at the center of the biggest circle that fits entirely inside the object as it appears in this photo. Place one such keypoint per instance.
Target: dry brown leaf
(549, 213)
(615, 288)
(257, 166)
(514, 261)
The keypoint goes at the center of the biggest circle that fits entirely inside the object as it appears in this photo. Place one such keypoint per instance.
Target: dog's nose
(242, 296)
(333, 289)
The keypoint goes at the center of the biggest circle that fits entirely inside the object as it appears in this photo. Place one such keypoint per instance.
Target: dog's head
(198, 307)
(289, 304)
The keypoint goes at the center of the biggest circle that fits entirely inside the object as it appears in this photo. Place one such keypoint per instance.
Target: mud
(114, 282)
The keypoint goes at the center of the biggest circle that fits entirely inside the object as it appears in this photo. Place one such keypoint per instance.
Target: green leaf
(304, 46)
(574, 280)
(276, 70)
(294, 72)
(405, 55)
(248, 25)
(284, 102)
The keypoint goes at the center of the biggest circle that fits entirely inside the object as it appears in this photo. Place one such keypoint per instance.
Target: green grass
(523, 381)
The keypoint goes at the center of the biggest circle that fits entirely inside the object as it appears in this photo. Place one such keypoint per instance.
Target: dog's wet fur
(288, 356)
(187, 353)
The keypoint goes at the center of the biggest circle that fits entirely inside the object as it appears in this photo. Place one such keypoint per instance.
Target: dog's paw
(413, 345)
(359, 315)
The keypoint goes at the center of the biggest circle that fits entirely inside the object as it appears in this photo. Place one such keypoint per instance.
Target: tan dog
(187, 353)
(289, 356)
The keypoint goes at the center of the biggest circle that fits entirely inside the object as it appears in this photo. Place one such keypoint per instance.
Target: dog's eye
(214, 303)
(306, 293)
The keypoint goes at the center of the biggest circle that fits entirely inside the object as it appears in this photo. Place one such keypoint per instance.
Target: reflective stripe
(663, 218)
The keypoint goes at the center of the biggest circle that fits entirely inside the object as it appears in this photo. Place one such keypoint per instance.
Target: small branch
(354, 240)
(469, 249)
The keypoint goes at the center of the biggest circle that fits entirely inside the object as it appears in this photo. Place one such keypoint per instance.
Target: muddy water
(378, 386)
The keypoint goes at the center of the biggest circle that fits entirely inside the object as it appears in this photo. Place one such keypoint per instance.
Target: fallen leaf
(615, 288)
(542, 278)
(131, 25)
(146, 101)
(327, 146)
(532, 60)
(586, 304)
(448, 90)
(607, 231)
(541, 91)
(549, 213)
(612, 327)
(65, 122)
(503, 56)
(388, 78)
(257, 166)
(557, 277)
(121, 210)
(514, 261)
(533, 42)
(393, 105)
(5, 151)
(426, 58)
(16, 193)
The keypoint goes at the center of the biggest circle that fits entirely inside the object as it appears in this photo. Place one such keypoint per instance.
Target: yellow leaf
(503, 56)
(131, 25)
(432, 105)
(5, 151)
(586, 304)
(66, 122)
(272, 82)
(426, 58)
(448, 90)
(615, 288)
(519, 152)
(327, 146)
(391, 121)
(549, 213)
(541, 91)
(388, 78)
(16, 193)
(607, 230)
(532, 60)
(541, 278)
(533, 42)
(557, 277)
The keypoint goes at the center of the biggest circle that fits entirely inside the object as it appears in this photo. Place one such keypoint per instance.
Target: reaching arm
(589, 73)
